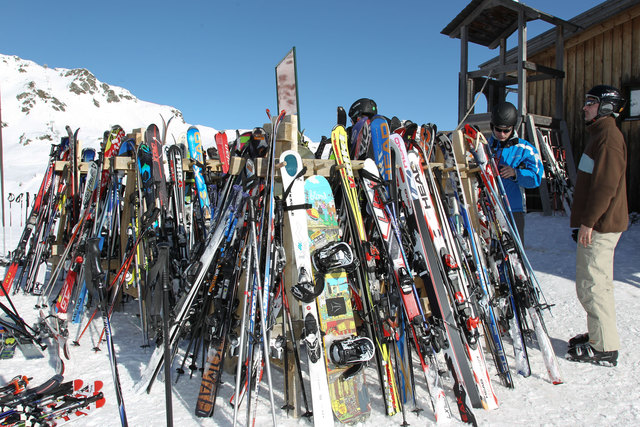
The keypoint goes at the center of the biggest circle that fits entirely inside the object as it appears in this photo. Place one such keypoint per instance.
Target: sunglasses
(589, 102)
(502, 130)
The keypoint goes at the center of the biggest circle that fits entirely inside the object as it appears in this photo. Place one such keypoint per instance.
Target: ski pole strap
(378, 185)
(304, 206)
(371, 177)
(285, 195)
(298, 175)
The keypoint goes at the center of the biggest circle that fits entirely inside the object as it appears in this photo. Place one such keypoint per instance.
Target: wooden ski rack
(288, 139)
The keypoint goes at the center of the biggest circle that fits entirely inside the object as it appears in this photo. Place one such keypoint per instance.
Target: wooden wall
(606, 53)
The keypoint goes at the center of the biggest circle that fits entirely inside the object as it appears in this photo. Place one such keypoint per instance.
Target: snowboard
(349, 396)
(294, 197)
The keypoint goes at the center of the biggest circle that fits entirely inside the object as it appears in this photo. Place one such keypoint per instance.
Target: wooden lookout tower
(490, 23)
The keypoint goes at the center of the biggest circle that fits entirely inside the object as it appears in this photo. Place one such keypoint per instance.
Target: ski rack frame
(286, 139)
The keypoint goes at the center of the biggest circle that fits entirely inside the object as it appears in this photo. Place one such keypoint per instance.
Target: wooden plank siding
(606, 53)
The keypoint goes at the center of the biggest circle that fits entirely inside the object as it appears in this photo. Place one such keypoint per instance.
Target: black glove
(574, 234)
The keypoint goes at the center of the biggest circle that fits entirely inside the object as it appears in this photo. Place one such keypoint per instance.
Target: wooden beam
(522, 57)
(531, 14)
(537, 68)
(501, 69)
(559, 107)
(505, 34)
(462, 78)
(513, 67)
(486, 4)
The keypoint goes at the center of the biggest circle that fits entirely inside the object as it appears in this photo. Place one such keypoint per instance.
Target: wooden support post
(463, 93)
(559, 110)
(457, 139)
(522, 72)
(287, 139)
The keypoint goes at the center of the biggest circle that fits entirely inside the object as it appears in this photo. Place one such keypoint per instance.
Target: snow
(590, 394)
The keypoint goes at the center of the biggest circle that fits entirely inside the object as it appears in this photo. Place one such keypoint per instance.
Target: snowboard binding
(305, 290)
(351, 350)
(312, 338)
(333, 256)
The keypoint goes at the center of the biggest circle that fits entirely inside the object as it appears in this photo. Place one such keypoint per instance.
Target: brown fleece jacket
(600, 198)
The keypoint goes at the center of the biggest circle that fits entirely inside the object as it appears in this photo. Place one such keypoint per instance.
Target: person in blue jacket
(518, 160)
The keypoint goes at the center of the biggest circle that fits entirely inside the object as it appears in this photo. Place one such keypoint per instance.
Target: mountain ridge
(37, 102)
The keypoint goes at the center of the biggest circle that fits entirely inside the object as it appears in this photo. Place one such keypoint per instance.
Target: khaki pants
(594, 287)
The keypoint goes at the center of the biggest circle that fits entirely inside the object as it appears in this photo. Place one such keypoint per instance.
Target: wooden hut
(605, 50)
(599, 46)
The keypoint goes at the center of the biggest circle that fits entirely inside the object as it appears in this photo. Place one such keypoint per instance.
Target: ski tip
(100, 402)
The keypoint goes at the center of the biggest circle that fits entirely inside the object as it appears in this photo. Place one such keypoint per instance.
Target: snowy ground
(590, 395)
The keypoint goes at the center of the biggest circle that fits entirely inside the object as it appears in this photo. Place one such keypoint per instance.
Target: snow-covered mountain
(38, 102)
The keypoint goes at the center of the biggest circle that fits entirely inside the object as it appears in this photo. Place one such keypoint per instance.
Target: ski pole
(26, 211)
(10, 198)
(77, 340)
(19, 198)
(287, 406)
(96, 275)
(296, 354)
(163, 249)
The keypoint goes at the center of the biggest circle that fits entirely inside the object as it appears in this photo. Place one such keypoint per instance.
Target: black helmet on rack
(363, 107)
(610, 100)
(504, 114)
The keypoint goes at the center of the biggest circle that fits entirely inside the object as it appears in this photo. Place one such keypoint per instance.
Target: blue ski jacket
(524, 158)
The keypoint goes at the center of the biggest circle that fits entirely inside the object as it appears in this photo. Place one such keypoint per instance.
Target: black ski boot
(586, 353)
(579, 340)
(348, 351)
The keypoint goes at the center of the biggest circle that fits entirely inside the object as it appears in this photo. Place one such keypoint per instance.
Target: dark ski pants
(594, 287)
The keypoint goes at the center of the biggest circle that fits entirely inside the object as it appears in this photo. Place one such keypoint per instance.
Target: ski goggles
(590, 101)
(498, 129)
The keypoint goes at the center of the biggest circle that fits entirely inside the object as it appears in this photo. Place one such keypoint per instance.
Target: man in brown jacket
(600, 212)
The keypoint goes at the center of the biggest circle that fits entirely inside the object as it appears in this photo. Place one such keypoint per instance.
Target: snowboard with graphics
(349, 396)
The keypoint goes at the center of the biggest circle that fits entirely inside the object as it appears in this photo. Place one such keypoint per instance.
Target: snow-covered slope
(38, 102)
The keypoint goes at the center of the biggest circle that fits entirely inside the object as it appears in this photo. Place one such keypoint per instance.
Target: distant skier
(518, 161)
(601, 213)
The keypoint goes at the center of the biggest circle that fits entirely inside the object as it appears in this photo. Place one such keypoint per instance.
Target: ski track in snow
(590, 395)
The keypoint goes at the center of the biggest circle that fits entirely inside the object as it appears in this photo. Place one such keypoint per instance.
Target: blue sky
(214, 60)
